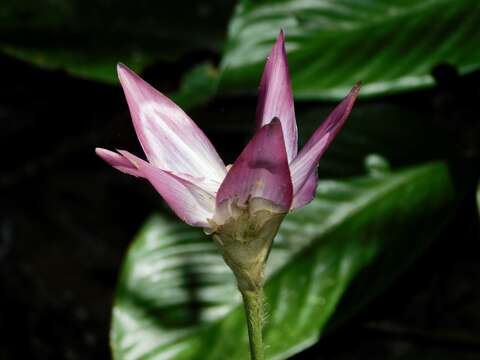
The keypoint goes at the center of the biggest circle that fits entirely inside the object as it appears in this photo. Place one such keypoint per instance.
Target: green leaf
(391, 46)
(88, 40)
(88, 65)
(176, 299)
(198, 86)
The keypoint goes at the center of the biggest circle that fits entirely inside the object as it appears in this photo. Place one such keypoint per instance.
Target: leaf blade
(390, 46)
(356, 217)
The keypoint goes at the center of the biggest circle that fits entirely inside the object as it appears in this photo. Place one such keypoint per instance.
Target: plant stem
(253, 302)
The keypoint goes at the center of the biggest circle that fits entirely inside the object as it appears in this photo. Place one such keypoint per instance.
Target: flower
(241, 205)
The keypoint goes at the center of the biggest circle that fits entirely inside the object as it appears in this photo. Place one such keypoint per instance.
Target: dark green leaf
(89, 65)
(88, 39)
(177, 300)
(198, 86)
(389, 45)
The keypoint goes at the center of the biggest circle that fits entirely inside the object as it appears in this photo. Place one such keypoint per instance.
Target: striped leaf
(176, 299)
(390, 45)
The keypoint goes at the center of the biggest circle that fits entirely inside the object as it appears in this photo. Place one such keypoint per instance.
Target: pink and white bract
(270, 175)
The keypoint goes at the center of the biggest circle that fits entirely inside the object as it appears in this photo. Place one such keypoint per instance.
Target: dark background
(67, 219)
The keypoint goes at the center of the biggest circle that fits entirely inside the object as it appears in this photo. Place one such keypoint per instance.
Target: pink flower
(267, 180)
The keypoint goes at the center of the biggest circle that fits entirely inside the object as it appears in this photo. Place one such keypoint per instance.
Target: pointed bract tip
(354, 91)
(281, 38)
(275, 122)
(124, 71)
(356, 88)
(273, 125)
(100, 151)
(120, 67)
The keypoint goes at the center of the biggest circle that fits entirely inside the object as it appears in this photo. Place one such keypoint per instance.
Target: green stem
(253, 301)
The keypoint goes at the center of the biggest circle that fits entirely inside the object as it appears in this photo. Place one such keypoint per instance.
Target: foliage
(176, 298)
(390, 46)
(88, 39)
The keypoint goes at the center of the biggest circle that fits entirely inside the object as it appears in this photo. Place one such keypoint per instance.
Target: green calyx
(244, 234)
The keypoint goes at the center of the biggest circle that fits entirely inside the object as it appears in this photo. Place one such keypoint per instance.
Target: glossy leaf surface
(177, 300)
(390, 46)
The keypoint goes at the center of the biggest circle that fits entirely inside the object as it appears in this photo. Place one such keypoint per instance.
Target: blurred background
(67, 218)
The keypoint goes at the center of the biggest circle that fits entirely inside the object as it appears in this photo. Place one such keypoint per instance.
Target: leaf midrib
(401, 181)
